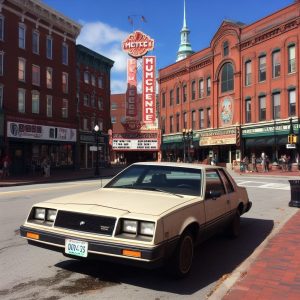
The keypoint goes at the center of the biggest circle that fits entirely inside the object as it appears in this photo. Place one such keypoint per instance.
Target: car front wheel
(180, 264)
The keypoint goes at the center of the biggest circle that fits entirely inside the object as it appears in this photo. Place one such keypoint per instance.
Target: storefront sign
(218, 137)
(268, 130)
(138, 44)
(131, 94)
(40, 132)
(136, 141)
(149, 105)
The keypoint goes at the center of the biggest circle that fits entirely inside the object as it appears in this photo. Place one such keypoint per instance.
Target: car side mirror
(214, 194)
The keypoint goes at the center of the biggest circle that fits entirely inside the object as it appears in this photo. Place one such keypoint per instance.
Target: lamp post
(97, 132)
(187, 138)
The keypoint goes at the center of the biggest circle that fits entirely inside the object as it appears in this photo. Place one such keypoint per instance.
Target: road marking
(263, 185)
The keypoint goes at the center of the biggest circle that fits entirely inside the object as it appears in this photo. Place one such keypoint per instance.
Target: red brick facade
(253, 71)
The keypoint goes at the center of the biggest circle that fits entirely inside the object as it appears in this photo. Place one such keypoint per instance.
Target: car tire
(181, 262)
(235, 226)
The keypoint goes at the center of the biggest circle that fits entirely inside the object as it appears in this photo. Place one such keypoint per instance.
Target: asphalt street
(27, 272)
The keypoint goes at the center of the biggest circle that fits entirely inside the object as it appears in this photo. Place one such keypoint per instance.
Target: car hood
(125, 200)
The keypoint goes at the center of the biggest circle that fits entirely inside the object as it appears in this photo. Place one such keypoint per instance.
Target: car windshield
(175, 180)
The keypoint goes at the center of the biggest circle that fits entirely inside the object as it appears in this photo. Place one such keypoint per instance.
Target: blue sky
(105, 24)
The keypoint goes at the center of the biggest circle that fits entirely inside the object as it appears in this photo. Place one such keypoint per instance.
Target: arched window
(227, 78)
(225, 48)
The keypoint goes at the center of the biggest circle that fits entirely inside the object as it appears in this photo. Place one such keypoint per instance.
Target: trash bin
(295, 193)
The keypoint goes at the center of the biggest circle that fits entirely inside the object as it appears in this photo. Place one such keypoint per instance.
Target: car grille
(85, 222)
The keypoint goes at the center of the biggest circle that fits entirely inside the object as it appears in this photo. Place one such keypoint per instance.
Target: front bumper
(150, 257)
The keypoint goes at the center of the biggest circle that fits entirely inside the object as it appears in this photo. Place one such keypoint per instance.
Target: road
(28, 272)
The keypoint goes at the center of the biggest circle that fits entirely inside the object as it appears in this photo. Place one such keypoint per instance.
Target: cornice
(271, 33)
(48, 14)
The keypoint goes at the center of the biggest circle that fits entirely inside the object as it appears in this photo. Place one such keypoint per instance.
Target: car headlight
(51, 214)
(39, 213)
(129, 226)
(147, 228)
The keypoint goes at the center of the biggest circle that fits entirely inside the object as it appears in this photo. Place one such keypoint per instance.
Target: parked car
(149, 214)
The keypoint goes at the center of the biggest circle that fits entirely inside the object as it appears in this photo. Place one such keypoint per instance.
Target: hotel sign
(137, 44)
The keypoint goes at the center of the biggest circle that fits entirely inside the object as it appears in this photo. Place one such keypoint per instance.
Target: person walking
(5, 170)
(264, 162)
(253, 162)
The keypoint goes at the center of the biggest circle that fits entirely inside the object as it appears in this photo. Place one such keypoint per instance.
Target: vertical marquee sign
(137, 45)
(149, 105)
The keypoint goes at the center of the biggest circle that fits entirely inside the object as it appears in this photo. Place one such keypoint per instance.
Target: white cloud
(107, 40)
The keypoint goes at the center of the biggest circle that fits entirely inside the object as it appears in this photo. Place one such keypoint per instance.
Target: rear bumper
(150, 257)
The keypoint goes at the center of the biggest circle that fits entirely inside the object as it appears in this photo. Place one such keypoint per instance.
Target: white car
(149, 214)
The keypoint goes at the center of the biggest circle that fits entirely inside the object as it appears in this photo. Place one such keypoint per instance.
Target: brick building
(240, 95)
(93, 92)
(38, 109)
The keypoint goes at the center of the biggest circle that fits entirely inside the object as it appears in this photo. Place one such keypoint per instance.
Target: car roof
(176, 164)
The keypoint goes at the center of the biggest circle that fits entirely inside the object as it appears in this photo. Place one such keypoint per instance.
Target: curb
(240, 271)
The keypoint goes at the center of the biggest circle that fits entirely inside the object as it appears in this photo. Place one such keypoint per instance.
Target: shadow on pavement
(213, 259)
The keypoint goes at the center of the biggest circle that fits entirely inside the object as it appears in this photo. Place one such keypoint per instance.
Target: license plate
(77, 248)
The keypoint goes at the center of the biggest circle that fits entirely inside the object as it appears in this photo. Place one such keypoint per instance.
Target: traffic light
(292, 139)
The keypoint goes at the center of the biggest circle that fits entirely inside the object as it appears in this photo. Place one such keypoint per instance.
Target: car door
(216, 201)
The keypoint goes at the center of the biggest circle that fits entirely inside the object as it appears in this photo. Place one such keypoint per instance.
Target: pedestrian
(267, 163)
(6, 164)
(263, 162)
(246, 163)
(253, 162)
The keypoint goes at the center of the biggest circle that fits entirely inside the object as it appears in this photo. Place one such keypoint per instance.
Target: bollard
(295, 193)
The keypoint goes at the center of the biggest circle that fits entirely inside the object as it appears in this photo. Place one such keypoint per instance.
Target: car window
(177, 180)
(228, 183)
(213, 183)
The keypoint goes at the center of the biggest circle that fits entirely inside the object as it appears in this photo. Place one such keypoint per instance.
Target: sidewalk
(275, 274)
(59, 175)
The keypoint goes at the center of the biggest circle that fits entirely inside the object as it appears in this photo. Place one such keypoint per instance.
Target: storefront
(30, 144)
(270, 138)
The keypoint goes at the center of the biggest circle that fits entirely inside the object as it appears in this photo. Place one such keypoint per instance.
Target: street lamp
(187, 139)
(97, 132)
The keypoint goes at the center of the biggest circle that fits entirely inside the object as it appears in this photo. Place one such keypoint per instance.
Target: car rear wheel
(181, 262)
(235, 226)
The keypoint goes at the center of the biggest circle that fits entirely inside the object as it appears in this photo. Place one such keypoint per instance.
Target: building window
(208, 86)
(35, 102)
(276, 64)
(1, 28)
(193, 120)
(225, 48)
(1, 96)
(201, 118)
(248, 73)
(100, 124)
(93, 80)
(262, 108)
(276, 105)
(22, 36)
(21, 69)
(64, 109)
(171, 124)
(177, 95)
(208, 118)
(248, 110)
(114, 106)
(113, 120)
(292, 59)
(100, 82)
(1, 63)
(193, 90)
(100, 103)
(177, 122)
(171, 97)
(49, 106)
(163, 101)
(49, 78)
(35, 42)
(21, 100)
(65, 82)
(35, 75)
(227, 78)
(184, 93)
(86, 100)
(163, 125)
(93, 104)
(49, 45)
(292, 103)
(185, 120)
(201, 88)
(65, 54)
(262, 75)
(85, 124)
(86, 77)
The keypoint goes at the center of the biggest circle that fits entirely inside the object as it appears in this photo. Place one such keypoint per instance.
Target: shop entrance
(137, 156)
